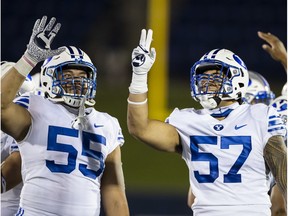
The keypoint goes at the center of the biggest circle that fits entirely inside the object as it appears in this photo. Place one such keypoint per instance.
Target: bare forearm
(117, 203)
(11, 170)
(137, 116)
(276, 157)
(15, 120)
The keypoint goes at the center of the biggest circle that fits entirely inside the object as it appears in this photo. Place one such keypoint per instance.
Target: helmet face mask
(70, 76)
(230, 77)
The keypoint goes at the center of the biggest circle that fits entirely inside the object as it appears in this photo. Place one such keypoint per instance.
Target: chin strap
(209, 103)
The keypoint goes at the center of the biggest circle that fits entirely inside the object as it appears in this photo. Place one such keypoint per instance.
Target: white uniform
(225, 158)
(10, 199)
(62, 166)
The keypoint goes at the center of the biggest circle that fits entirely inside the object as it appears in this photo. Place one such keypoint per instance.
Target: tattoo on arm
(275, 154)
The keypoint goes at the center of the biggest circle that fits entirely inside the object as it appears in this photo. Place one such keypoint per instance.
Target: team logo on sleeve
(218, 127)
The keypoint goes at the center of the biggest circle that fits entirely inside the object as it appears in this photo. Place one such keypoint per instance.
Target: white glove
(38, 48)
(142, 57)
(142, 60)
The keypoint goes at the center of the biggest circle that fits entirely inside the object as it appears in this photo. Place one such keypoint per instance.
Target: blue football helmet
(53, 81)
(258, 90)
(231, 78)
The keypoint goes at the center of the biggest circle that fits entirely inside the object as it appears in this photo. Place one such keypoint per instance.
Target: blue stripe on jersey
(120, 138)
(277, 128)
(275, 122)
(23, 105)
(71, 52)
(14, 147)
(20, 212)
(270, 117)
(23, 101)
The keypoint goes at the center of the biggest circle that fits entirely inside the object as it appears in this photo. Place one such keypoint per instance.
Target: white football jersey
(225, 158)
(62, 166)
(10, 199)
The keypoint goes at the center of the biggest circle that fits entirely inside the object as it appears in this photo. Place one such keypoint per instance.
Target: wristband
(138, 84)
(24, 65)
(137, 103)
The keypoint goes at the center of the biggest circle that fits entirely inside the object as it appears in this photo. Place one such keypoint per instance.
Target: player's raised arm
(139, 125)
(275, 154)
(15, 120)
(275, 47)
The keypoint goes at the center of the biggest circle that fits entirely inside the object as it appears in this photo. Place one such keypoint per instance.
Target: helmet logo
(138, 60)
(45, 38)
(239, 61)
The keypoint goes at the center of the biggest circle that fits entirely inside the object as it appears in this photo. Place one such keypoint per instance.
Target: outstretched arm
(275, 154)
(15, 120)
(154, 133)
(275, 48)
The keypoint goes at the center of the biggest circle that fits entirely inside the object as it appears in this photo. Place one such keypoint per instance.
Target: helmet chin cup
(73, 102)
(90, 102)
(209, 103)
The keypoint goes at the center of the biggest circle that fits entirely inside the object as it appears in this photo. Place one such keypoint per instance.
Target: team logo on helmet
(138, 60)
(239, 61)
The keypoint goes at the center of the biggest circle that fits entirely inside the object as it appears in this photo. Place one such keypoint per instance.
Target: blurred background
(156, 182)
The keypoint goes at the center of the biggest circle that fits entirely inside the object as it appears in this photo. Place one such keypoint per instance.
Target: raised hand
(275, 47)
(39, 47)
(142, 57)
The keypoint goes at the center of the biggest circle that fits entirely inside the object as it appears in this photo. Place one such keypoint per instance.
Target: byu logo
(239, 61)
(218, 127)
(47, 39)
(138, 60)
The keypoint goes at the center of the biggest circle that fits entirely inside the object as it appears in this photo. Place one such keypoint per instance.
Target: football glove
(42, 36)
(38, 48)
(142, 57)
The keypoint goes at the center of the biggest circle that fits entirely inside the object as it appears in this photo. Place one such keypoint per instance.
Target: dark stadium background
(156, 182)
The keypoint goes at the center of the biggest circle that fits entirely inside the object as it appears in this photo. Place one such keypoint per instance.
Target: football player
(259, 91)
(225, 145)
(71, 157)
(10, 158)
(277, 51)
